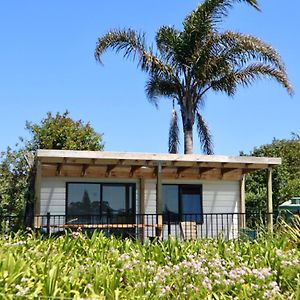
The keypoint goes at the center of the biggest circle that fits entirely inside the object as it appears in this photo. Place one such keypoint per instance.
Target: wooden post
(37, 194)
(243, 202)
(159, 208)
(270, 202)
(142, 206)
(158, 190)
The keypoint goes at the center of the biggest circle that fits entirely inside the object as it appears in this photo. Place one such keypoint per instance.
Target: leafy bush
(97, 267)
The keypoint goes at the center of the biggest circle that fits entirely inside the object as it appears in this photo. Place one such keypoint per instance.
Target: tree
(195, 60)
(285, 179)
(16, 172)
(61, 132)
(14, 178)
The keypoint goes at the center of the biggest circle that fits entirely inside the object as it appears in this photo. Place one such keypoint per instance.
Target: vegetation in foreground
(80, 267)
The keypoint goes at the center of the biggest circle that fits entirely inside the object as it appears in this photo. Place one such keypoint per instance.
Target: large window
(106, 200)
(182, 202)
(83, 198)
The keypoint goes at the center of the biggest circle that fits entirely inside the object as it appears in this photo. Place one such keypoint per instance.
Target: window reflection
(182, 203)
(83, 199)
(107, 203)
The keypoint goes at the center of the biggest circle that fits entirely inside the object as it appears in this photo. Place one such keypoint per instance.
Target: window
(182, 202)
(83, 198)
(108, 201)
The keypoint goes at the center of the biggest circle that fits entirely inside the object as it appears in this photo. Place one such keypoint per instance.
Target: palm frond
(255, 71)
(204, 135)
(174, 49)
(133, 44)
(166, 40)
(157, 86)
(246, 76)
(241, 48)
(174, 133)
(209, 13)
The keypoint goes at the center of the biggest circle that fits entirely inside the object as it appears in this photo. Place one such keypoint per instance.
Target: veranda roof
(72, 163)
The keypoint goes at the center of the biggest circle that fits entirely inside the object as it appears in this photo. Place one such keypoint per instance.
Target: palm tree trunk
(188, 141)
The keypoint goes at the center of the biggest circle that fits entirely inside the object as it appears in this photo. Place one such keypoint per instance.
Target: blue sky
(47, 64)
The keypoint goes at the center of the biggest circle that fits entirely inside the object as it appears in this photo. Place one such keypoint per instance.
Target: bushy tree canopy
(61, 132)
(53, 132)
(286, 177)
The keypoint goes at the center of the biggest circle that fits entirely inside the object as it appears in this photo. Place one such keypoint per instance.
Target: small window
(182, 203)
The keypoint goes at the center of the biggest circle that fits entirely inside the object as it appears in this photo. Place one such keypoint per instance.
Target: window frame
(180, 188)
(101, 184)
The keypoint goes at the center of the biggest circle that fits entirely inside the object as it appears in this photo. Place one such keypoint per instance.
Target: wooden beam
(58, 169)
(133, 170)
(83, 170)
(270, 201)
(203, 170)
(37, 192)
(180, 170)
(121, 162)
(159, 208)
(243, 201)
(226, 170)
(109, 170)
(142, 205)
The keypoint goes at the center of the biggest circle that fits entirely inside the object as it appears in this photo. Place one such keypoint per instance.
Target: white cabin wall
(53, 192)
(218, 196)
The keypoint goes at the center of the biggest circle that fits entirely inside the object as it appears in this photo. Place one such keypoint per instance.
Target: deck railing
(143, 226)
(11, 223)
(150, 226)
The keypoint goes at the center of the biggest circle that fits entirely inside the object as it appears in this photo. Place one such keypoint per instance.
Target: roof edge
(158, 157)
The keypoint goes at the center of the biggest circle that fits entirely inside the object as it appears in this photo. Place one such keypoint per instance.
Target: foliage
(14, 172)
(61, 132)
(96, 267)
(191, 62)
(53, 132)
(285, 178)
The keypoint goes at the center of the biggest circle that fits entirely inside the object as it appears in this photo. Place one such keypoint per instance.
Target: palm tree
(189, 63)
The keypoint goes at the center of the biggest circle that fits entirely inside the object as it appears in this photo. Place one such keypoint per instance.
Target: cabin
(145, 195)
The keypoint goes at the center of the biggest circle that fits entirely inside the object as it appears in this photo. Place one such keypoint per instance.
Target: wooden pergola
(141, 166)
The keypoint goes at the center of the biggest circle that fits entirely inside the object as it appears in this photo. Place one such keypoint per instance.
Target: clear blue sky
(47, 64)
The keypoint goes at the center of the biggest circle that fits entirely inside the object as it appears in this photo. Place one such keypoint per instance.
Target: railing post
(159, 226)
(169, 224)
(48, 223)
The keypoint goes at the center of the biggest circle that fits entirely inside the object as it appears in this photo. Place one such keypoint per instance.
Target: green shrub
(97, 267)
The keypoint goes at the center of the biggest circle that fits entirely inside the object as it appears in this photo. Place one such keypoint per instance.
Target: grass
(80, 267)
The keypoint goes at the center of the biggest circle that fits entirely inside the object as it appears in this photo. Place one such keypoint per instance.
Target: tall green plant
(53, 132)
(286, 177)
(195, 60)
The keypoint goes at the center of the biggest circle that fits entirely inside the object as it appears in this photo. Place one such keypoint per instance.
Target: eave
(97, 164)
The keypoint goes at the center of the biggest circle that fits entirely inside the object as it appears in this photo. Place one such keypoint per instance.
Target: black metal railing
(151, 226)
(143, 226)
(11, 223)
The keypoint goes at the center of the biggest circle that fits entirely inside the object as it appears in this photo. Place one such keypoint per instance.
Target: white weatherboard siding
(53, 195)
(218, 197)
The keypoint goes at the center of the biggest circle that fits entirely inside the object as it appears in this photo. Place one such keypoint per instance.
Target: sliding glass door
(100, 202)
